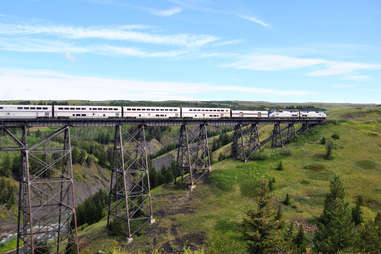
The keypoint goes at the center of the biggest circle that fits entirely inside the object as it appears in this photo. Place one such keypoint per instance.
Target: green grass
(10, 245)
(216, 208)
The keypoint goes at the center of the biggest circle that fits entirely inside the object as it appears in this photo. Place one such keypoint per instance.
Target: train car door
(259, 114)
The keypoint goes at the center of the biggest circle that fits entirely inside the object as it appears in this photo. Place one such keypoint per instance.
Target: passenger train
(99, 112)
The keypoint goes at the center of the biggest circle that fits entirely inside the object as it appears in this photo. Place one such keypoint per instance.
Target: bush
(322, 141)
(250, 187)
(328, 151)
(280, 166)
(335, 136)
(287, 200)
(261, 156)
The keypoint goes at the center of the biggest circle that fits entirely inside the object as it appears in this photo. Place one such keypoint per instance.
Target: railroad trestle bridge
(46, 202)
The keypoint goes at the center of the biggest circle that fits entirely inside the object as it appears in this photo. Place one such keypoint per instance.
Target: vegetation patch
(366, 164)
(315, 167)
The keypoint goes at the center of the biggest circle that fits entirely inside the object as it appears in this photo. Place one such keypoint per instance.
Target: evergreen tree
(300, 241)
(328, 150)
(335, 230)
(369, 240)
(279, 213)
(280, 166)
(357, 217)
(260, 228)
(287, 200)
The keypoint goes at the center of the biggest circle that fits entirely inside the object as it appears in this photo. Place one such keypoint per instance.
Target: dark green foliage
(156, 133)
(221, 157)
(300, 241)
(279, 213)
(335, 136)
(289, 235)
(323, 141)
(287, 200)
(92, 210)
(260, 156)
(271, 184)
(357, 217)
(280, 166)
(6, 166)
(370, 237)
(260, 227)
(335, 230)
(328, 150)
(164, 150)
(250, 187)
(7, 193)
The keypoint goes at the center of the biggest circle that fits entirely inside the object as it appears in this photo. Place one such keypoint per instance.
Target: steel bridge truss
(130, 202)
(46, 204)
(193, 155)
(245, 141)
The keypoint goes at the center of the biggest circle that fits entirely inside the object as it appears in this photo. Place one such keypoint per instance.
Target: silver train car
(144, 112)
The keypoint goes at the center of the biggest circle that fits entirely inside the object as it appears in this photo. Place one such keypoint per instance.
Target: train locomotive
(142, 112)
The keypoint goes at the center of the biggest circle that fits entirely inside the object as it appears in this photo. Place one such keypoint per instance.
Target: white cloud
(166, 13)
(280, 62)
(52, 46)
(69, 56)
(107, 33)
(358, 77)
(254, 20)
(17, 82)
(272, 62)
(224, 43)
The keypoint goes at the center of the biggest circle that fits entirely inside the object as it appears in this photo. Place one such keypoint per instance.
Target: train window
(166, 109)
(162, 109)
(45, 108)
(39, 108)
(66, 108)
(26, 108)
(99, 108)
(32, 108)
(72, 108)
(190, 110)
(1, 107)
(17, 107)
(104, 108)
(78, 114)
(83, 108)
(73, 114)
(77, 108)
(138, 109)
(60, 108)
(83, 114)
(128, 109)
(134, 109)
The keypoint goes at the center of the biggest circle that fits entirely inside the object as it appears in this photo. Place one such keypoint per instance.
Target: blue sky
(280, 51)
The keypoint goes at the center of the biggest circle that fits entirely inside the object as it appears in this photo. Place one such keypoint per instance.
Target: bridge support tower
(291, 134)
(277, 139)
(245, 141)
(193, 155)
(46, 204)
(130, 202)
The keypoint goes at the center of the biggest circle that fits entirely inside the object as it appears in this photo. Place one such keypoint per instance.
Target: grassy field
(209, 217)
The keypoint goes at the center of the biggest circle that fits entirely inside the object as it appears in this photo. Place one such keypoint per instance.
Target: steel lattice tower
(130, 196)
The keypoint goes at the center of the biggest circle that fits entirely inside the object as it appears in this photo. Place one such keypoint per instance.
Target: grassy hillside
(209, 217)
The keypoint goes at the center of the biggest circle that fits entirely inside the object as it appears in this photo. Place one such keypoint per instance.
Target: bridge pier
(245, 141)
(193, 156)
(46, 204)
(277, 139)
(130, 195)
(291, 134)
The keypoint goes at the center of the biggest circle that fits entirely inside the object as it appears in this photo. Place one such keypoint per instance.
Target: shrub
(335, 136)
(287, 200)
(250, 187)
(328, 151)
(315, 167)
(280, 166)
(322, 141)
(261, 156)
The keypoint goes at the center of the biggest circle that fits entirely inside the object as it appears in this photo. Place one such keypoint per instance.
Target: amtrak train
(149, 112)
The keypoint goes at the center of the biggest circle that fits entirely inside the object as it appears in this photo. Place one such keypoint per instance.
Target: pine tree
(280, 166)
(260, 228)
(335, 230)
(287, 200)
(279, 213)
(328, 150)
(357, 217)
(300, 241)
(369, 240)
